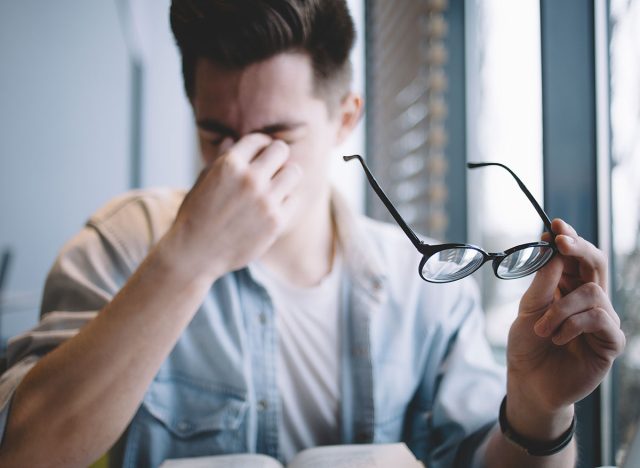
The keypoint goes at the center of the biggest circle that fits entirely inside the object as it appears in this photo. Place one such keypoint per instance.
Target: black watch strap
(534, 447)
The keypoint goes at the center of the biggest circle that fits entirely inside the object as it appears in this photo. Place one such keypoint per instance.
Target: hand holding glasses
(444, 263)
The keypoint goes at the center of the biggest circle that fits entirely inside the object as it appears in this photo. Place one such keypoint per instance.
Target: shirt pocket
(182, 418)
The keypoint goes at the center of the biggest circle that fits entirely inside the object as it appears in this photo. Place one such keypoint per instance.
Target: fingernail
(569, 239)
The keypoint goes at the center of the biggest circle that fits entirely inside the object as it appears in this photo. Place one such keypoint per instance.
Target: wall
(63, 131)
(66, 127)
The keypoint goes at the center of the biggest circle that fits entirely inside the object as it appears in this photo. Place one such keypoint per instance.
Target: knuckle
(616, 319)
(280, 146)
(596, 314)
(572, 323)
(268, 210)
(250, 182)
(556, 312)
(278, 151)
(601, 258)
(271, 221)
(592, 290)
(231, 165)
(623, 341)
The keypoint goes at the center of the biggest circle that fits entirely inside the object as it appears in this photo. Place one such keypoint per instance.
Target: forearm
(74, 404)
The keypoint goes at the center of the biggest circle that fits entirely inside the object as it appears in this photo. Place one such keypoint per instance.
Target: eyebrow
(215, 126)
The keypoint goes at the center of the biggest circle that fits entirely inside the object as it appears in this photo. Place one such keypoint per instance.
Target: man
(256, 314)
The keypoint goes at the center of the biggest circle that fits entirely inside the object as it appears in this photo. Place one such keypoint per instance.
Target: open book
(331, 456)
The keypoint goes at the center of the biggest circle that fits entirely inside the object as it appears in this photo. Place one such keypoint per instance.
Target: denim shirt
(415, 366)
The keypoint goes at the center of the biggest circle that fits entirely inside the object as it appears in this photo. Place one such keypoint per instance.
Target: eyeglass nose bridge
(494, 257)
(497, 258)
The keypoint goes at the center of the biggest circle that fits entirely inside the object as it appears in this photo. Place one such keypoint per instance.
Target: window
(625, 174)
(504, 122)
(534, 95)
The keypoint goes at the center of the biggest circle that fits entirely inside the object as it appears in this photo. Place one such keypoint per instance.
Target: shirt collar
(361, 256)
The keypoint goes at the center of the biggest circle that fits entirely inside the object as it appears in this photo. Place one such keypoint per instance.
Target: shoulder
(449, 302)
(386, 235)
(157, 205)
(134, 221)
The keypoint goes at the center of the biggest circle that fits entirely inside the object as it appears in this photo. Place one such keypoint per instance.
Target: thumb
(543, 287)
(225, 145)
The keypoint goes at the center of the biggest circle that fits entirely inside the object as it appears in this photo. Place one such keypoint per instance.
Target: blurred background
(92, 105)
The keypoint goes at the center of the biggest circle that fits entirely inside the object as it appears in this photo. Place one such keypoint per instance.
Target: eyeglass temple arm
(525, 190)
(392, 209)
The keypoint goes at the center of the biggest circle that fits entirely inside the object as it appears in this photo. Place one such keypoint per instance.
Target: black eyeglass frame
(428, 250)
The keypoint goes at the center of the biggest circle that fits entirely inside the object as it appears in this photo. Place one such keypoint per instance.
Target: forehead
(277, 88)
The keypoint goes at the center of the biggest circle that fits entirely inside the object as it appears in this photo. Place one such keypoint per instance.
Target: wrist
(536, 420)
(530, 446)
(175, 257)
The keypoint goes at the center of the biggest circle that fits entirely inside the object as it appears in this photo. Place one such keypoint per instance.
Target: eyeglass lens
(524, 262)
(452, 264)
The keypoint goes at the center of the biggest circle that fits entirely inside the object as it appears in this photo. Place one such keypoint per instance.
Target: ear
(349, 114)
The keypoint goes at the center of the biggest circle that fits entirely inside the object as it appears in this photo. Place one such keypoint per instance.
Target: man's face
(275, 97)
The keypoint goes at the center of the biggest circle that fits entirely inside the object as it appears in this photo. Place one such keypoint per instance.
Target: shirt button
(263, 318)
(263, 405)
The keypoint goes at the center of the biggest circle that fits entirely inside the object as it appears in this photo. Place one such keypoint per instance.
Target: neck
(304, 254)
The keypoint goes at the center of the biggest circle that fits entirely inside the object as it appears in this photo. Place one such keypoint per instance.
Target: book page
(224, 461)
(357, 456)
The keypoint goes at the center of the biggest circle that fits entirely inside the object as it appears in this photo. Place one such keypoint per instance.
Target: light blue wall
(64, 128)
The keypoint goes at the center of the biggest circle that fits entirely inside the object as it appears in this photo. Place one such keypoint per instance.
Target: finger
(593, 264)
(542, 289)
(595, 321)
(288, 210)
(225, 145)
(585, 297)
(248, 147)
(271, 158)
(287, 178)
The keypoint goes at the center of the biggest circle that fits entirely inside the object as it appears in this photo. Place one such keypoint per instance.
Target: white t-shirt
(308, 358)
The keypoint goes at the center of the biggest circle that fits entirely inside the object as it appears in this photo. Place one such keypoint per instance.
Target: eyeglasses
(444, 263)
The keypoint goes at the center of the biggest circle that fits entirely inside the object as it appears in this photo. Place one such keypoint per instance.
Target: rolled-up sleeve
(90, 269)
(83, 279)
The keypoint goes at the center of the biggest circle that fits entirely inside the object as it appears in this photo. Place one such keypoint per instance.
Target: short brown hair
(237, 33)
